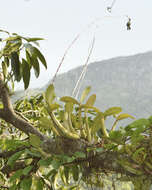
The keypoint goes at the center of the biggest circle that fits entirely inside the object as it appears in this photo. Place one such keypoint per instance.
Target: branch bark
(8, 114)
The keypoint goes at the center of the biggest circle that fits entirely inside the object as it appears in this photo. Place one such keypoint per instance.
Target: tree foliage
(18, 56)
(46, 143)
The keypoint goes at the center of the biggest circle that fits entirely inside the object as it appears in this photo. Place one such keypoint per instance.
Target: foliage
(18, 56)
(73, 120)
(66, 145)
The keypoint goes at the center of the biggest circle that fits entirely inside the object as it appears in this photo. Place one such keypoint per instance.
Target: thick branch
(4, 95)
(110, 161)
(8, 114)
(22, 125)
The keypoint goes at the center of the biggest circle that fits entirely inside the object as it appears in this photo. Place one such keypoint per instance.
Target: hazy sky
(59, 21)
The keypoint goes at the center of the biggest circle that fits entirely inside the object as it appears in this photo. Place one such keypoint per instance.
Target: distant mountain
(122, 81)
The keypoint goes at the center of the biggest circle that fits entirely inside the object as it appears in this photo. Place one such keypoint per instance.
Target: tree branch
(4, 95)
(23, 125)
(8, 114)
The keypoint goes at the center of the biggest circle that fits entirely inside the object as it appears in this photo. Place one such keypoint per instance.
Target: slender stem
(82, 75)
(103, 128)
(61, 62)
(114, 126)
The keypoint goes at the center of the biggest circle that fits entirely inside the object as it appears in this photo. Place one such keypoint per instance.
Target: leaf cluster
(19, 55)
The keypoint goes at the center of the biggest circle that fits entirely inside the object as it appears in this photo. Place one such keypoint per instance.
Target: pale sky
(59, 21)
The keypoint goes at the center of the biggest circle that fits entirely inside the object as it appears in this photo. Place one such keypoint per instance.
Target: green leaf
(6, 60)
(139, 155)
(66, 158)
(36, 66)
(91, 100)
(13, 187)
(69, 99)
(27, 170)
(75, 172)
(33, 152)
(136, 138)
(12, 46)
(97, 124)
(28, 59)
(33, 39)
(14, 157)
(4, 31)
(15, 34)
(89, 107)
(39, 184)
(67, 174)
(124, 116)
(15, 65)
(48, 124)
(26, 183)
(62, 175)
(69, 107)
(26, 73)
(79, 155)
(51, 173)
(45, 122)
(34, 61)
(140, 123)
(49, 94)
(16, 175)
(41, 57)
(116, 136)
(54, 179)
(112, 111)
(56, 164)
(35, 54)
(4, 67)
(54, 106)
(35, 141)
(45, 162)
(30, 49)
(12, 38)
(12, 144)
(85, 93)
(136, 128)
(127, 166)
(99, 150)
